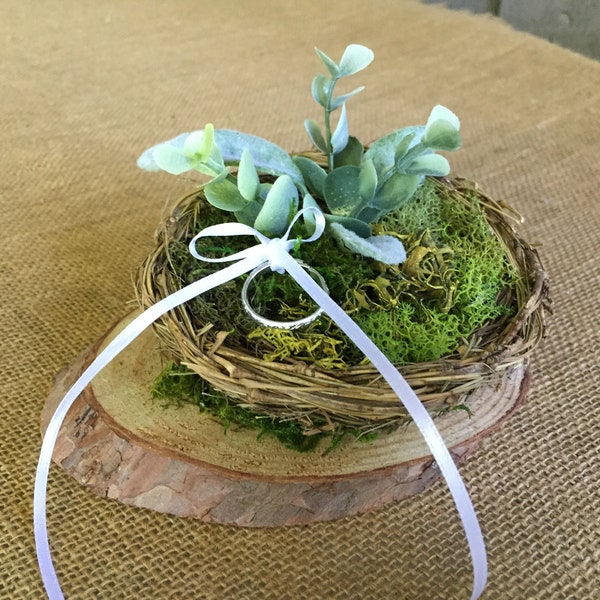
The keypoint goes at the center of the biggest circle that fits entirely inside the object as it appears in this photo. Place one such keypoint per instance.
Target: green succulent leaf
(171, 159)
(367, 180)
(316, 137)
(280, 205)
(320, 89)
(224, 195)
(328, 62)
(341, 100)
(248, 214)
(341, 191)
(247, 176)
(340, 136)
(355, 59)
(350, 155)
(313, 174)
(310, 221)
(200, 143)
(429, 164)
(397, 190)
(384, 248)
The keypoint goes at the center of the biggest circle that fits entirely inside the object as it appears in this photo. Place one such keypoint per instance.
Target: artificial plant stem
(328, 123)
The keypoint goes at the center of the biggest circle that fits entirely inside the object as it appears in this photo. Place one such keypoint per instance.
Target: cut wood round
(121, 443)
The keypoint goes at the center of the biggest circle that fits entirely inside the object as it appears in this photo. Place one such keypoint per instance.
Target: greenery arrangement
(423, 264)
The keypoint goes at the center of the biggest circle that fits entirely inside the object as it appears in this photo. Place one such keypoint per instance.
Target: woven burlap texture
(86, 86)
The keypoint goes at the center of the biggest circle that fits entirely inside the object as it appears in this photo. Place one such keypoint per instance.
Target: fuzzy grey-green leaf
(316, 137)
(342, 192)
(328, 62)
(279, 207)
(320, 89)
(339, 139)
(355, 59)
(224, 195)
(313, 174)
(247, 177)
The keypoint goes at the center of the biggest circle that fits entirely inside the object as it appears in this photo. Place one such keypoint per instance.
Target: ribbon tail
(417, 411)
(125, 337)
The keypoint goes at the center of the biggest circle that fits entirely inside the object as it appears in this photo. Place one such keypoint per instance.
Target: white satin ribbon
(274, 252)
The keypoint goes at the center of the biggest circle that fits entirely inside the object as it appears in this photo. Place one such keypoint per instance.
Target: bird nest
(323, 399)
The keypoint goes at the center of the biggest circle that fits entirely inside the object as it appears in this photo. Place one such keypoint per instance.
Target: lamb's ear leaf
(316, 137)
(328, 62)
(224, 195)
(355, 59)
(384, 248)
(267, 157)
(313, 174)
(247, 177)
(280, 205)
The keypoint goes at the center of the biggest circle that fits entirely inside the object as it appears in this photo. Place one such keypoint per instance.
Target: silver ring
(281, 324)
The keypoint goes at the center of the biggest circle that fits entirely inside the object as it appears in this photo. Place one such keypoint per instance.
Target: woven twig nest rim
(356, 396)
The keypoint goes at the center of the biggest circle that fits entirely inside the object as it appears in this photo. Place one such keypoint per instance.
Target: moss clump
(177, 384)
(419, 311)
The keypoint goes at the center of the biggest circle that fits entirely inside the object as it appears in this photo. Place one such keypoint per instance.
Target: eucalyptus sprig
(357, 187)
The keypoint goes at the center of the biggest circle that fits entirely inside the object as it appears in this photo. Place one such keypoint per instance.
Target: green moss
(420, 311)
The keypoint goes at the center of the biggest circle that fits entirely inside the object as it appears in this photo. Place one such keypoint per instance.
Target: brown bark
(122, 444)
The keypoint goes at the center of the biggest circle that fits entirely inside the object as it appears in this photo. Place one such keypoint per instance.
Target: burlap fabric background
(86, 86)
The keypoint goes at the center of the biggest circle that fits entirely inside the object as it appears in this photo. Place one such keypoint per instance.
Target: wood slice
(120, 443)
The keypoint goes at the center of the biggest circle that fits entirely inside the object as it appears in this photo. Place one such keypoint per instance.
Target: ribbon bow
(275, 253)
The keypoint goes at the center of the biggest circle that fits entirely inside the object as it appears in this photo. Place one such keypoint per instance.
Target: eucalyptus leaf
(342, 191)
(383, 151)
(320, 89)
(355, 59)
(442, 135)
(313, 174)
(247, 177)
(340, 100)
(224, 195)
(199, 144)
(384, 248)
(429, 164)
(339, 139)
(147, 162)
(316, 137)
(280, 205)
(367, 180)
(397, 190)
(328, 62)
(350, 155)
